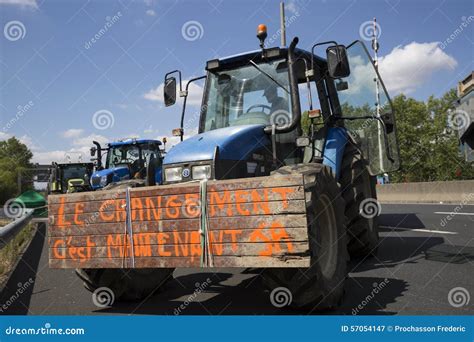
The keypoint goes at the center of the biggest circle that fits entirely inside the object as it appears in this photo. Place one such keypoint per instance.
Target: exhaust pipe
(99, 154)
(294, 93)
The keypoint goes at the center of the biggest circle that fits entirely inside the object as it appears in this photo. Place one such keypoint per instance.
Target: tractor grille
(95, 181)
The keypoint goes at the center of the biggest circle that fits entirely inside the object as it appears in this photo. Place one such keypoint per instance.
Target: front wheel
(362, 207)
(321, 286)
(126, 284)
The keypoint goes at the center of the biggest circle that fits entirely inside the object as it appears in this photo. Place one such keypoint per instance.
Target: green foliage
(429, 149)
(14, 157)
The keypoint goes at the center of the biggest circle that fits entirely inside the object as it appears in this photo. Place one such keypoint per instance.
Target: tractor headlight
(201, 172)
(173, 174)
(103, 180)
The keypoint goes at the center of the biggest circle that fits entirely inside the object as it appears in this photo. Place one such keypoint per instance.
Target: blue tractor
(136, 161)
(252, 124)
(255, 121)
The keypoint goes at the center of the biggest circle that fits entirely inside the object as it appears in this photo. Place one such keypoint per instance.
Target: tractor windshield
(250, 94)
(74, 172)
(130, 155)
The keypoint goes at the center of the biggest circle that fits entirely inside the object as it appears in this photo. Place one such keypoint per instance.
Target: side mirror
(338, 64)
(170, 91)
(93, 151)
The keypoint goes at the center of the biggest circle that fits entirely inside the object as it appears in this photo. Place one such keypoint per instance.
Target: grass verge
(11, 252)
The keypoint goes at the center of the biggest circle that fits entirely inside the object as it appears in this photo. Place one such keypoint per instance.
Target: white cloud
(72, 133)
(28, 141)
(291, 7)
(4, 136)
(61, 156)
(194, 94)
(408, 67)
(86, 141)
(21, 3)
(150, 12)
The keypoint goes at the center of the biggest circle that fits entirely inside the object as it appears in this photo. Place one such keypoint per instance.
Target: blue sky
(54, 78)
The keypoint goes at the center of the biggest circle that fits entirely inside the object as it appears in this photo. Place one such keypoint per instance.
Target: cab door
(367, 111)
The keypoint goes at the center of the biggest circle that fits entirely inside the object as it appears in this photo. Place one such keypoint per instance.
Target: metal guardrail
(9, 231)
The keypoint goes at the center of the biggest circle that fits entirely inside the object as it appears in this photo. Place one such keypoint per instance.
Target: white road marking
(427, 203)
(452, 213)
(420, 230)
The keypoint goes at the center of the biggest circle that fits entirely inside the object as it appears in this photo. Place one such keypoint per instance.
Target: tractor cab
(69, 177)
(129, 159)
(252, 120)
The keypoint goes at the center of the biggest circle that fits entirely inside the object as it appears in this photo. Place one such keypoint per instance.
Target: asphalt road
(423, 256)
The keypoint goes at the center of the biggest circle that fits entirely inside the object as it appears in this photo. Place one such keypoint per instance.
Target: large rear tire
(358, 190)
(126, 284)
(321, 286)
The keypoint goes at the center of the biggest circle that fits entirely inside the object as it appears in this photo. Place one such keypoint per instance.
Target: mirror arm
(185, 100)
(316, 45)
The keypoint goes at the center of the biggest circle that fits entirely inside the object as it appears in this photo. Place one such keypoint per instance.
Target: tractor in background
(69, 177)
(134, 161)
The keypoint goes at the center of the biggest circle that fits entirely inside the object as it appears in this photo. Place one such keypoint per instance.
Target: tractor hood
(234, 143)
(101, 178)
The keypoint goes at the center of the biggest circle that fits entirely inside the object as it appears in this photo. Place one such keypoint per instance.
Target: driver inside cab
(277, 102)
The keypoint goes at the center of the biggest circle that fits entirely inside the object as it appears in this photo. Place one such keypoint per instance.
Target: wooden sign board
(259, 222)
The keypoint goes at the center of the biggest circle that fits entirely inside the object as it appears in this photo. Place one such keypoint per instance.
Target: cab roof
(256, 55)
(134, 142)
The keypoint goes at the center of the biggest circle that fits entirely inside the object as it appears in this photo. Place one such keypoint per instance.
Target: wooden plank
(171, 201)
(218, 223)
(185, 212)
(185, 251)
(186, 188)
(262, 218)
(157, 262)
(299, 234)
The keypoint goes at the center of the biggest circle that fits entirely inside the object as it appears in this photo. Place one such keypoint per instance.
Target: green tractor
(69, 177)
